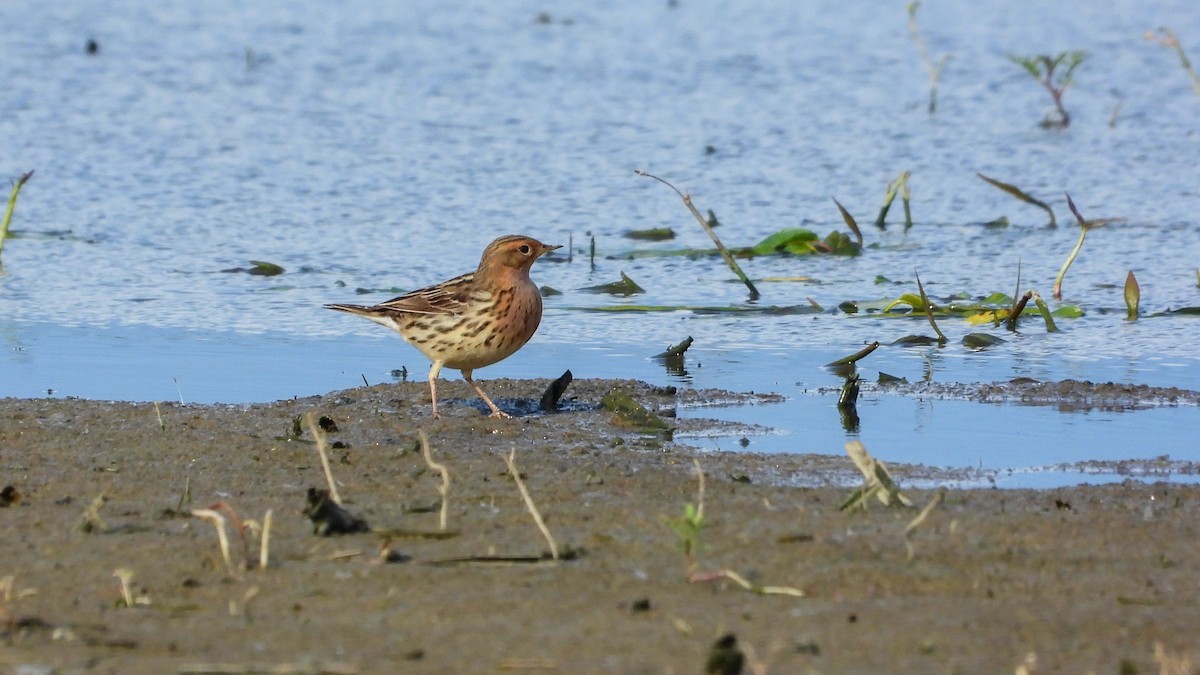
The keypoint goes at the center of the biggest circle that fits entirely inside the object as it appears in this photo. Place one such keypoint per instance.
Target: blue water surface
(379, 147)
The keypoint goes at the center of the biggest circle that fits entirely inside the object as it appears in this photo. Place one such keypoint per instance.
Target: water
(382, 148)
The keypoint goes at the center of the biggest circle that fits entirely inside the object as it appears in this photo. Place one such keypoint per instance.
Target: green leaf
(624, 287)
(1133, 295)
(796, 241)
(651, 234)
(981, 340)
(264, 269)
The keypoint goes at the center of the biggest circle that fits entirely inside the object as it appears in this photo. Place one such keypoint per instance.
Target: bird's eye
(524, 249)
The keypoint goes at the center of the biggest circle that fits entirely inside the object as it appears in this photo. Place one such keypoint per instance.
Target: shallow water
(381, 148)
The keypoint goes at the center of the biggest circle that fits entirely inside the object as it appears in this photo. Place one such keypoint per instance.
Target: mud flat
(1083, 579)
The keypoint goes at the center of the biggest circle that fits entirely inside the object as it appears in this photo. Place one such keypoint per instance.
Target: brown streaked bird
(473, 320)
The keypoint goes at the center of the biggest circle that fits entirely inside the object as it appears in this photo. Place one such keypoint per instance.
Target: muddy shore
(1086, 579)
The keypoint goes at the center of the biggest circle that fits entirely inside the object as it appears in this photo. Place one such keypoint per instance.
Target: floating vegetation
(1133, 296)
(673, 359)
(687, 201)
(1042, 68)
(1019, 194)
(981, 340)
(788, 241)
(898, 186)
(1169, 39)
(933, 69)
(993, 309)
(261, 268)
(788, 310)
(652, 234)
(625, 287)
(12, 204)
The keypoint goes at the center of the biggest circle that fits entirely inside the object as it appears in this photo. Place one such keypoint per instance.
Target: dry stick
(319, 437)
(699, 491)
(537, 517)
(264, 542)
(218, 522)
(741, 581)
(12, 204)
(444, 488)
(687, 201)
(125, 575)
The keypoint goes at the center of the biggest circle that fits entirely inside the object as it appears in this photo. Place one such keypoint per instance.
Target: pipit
(473, 320)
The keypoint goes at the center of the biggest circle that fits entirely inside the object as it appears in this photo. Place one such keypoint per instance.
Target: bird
(473, 320)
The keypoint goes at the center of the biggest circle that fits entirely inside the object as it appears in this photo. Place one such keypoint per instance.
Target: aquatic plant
(850, 222)
(1084, 226)
(1055, 74)
(1020, 194)
(687, 201)
(897, 186)
(12, 203)
(1169, 39)
(933, 69)
(1133, 296)
(625, 287)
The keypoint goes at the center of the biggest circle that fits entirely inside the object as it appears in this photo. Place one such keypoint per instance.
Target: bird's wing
(448, 297)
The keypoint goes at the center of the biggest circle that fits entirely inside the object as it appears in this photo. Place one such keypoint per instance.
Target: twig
(687, 201)
(444, 488)
(319, 437)
(738, 579)
(537, 517)
(218, 522)
(125, 575)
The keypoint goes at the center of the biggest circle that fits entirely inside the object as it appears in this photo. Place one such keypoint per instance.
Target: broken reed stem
(537, 516)
(687, 201)
(444, 488)
(319, 436)
(264, 542)
(1017, 309)
(125, 575)
(12, 204)
(697, 577)
(218, 522)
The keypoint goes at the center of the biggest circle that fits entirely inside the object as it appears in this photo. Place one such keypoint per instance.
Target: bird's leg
(496, 412)
(433, 375)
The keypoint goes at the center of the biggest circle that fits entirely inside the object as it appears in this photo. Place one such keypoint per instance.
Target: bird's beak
(546, 248)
